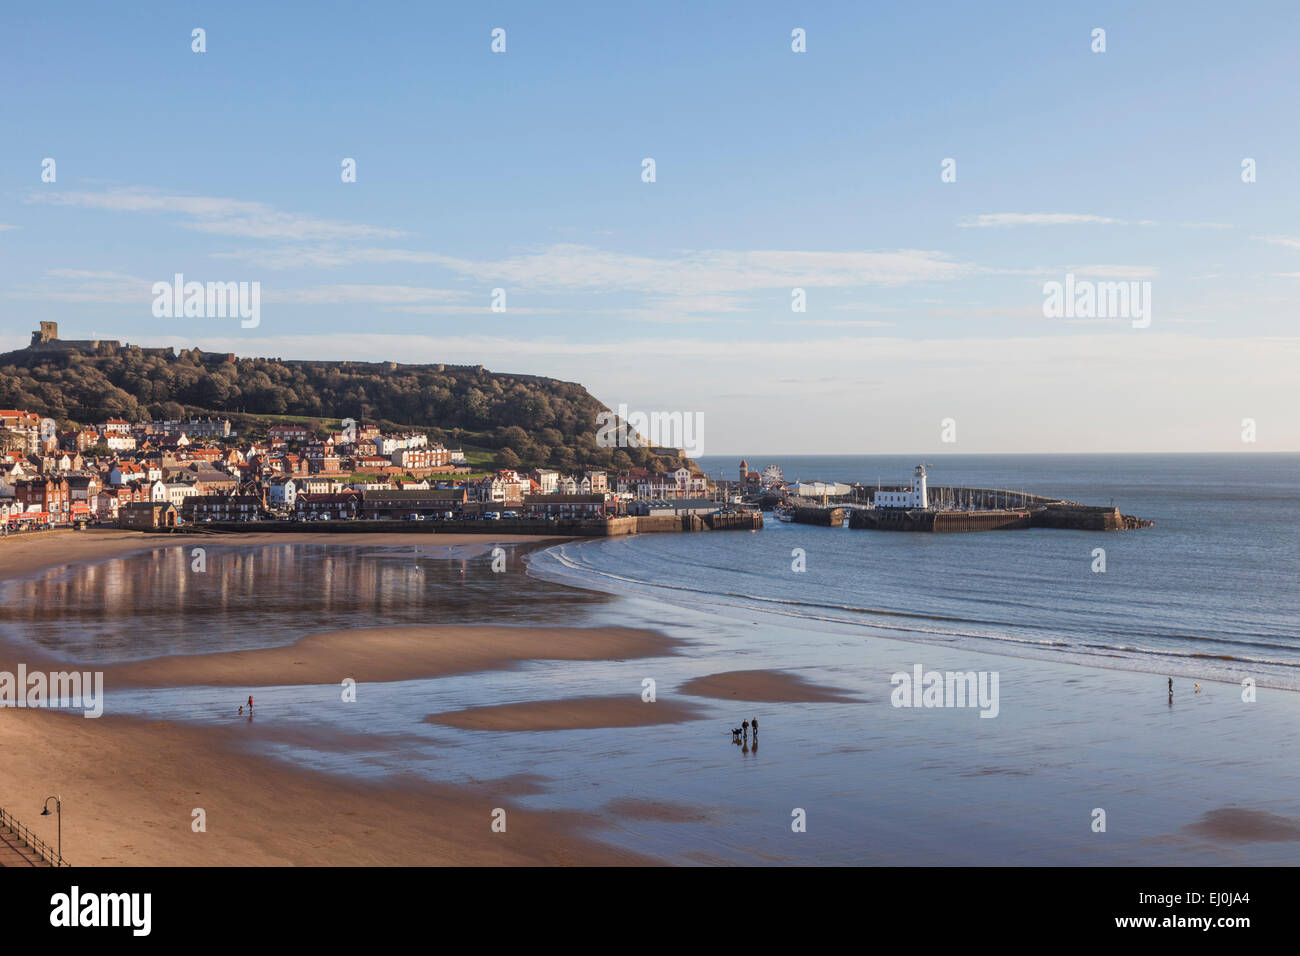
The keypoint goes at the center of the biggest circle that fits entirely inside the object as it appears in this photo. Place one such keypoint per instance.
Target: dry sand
(129, 790)
(574, 713)
(129, 787)
(764, 687)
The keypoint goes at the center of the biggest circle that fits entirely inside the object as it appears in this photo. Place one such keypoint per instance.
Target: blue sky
(775, 170)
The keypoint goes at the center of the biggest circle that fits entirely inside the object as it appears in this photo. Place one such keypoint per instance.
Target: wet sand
(574, 713)
(391, 654)
(764, 687)
(884, 784)
(658, 811)
(25, 554)
(130, 786)
(1241, 825)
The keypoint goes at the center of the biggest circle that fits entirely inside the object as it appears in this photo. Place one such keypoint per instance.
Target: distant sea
(1209, 591)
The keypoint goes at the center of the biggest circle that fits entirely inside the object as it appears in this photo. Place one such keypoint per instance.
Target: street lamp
(58, 807)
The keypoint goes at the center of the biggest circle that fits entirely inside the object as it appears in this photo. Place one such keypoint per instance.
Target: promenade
(13, 852)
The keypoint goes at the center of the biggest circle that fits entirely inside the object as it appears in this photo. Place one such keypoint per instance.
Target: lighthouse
(915, 497)
(744, 472)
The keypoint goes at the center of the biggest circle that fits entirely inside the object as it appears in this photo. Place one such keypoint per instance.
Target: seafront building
(205, 471)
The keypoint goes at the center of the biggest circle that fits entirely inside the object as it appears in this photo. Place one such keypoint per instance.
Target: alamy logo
(57, 690)
(215, 300)
(133, 910)
(1098, 300)
(951, 689)
(624, 429)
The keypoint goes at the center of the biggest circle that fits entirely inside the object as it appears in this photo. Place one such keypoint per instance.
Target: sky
(923, 328)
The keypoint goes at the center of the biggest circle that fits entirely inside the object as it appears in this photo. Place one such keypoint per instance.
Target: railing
(35, 843)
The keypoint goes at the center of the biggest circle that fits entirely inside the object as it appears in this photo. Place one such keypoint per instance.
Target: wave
(910, 625)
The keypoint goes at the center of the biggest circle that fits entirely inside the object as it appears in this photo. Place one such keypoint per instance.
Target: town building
(429, 503)
(344, 505)
(566, 506)
(147, 515)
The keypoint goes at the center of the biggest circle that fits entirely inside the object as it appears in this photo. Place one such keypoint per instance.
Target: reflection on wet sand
(187, 600)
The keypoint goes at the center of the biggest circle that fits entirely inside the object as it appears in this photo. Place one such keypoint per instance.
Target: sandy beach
(391, 654)
(534, 709)
(576, 713)
(130, 786)
(130, 790)
(764, 687)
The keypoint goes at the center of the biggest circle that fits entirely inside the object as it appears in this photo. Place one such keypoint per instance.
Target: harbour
(942, 509)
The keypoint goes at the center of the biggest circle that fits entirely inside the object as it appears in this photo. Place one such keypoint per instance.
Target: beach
(600, 727)
(130, 786)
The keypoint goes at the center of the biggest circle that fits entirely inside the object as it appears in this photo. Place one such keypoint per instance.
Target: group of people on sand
(744, 729)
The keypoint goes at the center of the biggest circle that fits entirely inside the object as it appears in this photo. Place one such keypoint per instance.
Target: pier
(950, 509)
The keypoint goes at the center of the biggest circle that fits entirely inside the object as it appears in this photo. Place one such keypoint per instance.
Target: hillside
(526, 420)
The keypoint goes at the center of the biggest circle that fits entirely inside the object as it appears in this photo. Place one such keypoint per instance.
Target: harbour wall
(1058, 515)
(575, 527)
(939, 522)
(826, 517)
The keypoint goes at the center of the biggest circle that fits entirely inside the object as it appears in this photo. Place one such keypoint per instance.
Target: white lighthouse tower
(916, 497)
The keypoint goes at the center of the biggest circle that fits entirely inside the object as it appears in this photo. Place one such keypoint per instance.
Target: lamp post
(58, 807)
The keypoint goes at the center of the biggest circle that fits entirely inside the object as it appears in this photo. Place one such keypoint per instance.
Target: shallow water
(878, 784)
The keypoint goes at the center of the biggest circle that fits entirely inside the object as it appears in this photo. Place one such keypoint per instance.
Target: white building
(177, 491)
(816, 489)
(914, 498)
(548, 481)
(387, 444)
(281, 493)
(321, 486)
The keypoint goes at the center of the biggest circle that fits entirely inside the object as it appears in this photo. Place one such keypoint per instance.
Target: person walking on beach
(745, 726)
(250, 703)
(1171, 685)
(754, 723)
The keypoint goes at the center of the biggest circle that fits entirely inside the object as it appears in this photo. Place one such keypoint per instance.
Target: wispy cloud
(1114, 272)
(1291, 242)
(1041, 219)
(220, 216)
(352, 294)
(88, 286)
(837, 323)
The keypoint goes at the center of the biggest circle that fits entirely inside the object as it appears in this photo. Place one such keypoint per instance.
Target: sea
(1211, 589)
(1157, 687)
